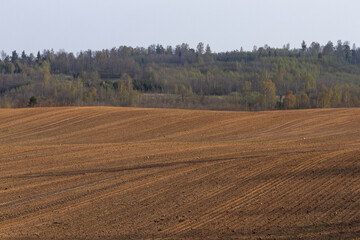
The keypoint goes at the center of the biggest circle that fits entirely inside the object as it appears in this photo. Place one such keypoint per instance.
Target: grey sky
(76, 25)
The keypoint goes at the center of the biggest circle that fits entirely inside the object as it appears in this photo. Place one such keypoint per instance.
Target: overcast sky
(75, 25)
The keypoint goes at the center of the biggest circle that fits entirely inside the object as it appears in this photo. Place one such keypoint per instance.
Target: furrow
(219, 211)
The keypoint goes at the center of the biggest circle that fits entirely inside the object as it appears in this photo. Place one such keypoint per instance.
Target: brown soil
(127, 173)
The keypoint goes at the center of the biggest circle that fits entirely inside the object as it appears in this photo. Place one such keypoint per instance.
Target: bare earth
(127, 173)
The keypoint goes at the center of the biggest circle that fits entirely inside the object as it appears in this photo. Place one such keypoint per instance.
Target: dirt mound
(128, 173)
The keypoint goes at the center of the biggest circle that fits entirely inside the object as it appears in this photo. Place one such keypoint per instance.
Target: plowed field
(127, 173)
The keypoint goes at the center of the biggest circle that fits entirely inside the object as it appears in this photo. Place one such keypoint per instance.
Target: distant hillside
(312, 76)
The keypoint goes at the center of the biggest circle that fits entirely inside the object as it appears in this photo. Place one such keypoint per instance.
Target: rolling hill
(133, 173)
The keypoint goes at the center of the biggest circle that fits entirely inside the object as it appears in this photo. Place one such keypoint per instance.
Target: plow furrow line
(54, 125)
(98, 191)
(292, 193)
(208, 195)
(214, 214)
(75, 197)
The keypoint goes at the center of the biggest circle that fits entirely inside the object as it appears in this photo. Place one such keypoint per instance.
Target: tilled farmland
(130, 173)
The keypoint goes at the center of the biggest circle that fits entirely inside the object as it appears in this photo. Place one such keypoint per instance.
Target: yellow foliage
(289, 100)
(6, 104)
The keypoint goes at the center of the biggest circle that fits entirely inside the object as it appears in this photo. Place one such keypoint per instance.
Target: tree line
(314, 76)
